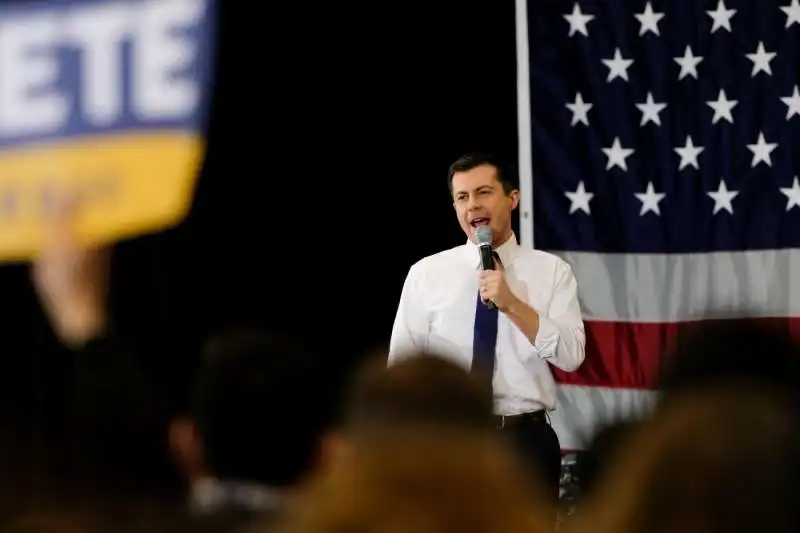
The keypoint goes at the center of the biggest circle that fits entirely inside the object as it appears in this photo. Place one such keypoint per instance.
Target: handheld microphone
(483, 235)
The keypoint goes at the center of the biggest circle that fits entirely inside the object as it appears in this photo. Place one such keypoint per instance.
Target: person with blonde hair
(423, 481)
(420, 453)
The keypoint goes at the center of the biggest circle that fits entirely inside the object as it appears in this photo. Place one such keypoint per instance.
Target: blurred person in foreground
(246, 451)
(592, 463)
(420, 453)
(429, 481)
(735, 352)
(423, 390)
(723, 459)
(248, 439)
(510, 323)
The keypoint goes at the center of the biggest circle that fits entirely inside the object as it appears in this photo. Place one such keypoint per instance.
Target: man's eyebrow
(478, 188)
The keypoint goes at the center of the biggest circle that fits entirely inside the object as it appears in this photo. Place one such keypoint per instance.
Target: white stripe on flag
(580, 410)
(684, 287)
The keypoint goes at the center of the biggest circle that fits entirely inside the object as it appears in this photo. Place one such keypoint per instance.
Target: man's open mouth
(480, 221)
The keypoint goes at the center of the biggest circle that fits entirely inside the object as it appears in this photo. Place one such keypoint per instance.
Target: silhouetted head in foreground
(733, 352)
(422, 390)
(718, 460)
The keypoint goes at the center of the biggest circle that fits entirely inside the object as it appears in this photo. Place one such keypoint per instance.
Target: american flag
(659, 151)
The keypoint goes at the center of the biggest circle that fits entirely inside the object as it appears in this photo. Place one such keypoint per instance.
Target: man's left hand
(493, 287)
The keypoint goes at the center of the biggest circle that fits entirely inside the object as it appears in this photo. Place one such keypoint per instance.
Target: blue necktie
(484, 339)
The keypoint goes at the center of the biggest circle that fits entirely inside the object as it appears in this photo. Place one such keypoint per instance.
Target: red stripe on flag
(627, 354)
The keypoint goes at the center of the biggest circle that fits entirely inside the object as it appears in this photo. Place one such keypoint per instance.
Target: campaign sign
(104, 101)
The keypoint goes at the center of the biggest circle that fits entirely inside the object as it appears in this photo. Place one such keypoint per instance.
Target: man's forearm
(525, 318)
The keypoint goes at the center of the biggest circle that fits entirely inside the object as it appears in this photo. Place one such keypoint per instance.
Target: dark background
(331, 131)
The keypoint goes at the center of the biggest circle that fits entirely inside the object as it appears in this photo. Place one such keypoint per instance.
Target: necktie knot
(497, 258)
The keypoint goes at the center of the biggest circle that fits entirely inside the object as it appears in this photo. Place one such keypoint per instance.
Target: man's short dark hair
(472, 160)
(260, 407)
(421, 390)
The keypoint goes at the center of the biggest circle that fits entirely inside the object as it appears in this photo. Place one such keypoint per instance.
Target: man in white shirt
(444, 308)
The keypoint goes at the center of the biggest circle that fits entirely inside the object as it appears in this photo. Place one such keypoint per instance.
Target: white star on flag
(721, 16)
(792, 194)
(722, 107)
(792, 13)
(579, 200)
(793, 103)
(650, 199)
(688, 63)
(723, 198)
(648, 20)
(762, 150)
(617, 67)
(577, 21)
(761, 59)
(580, 110)
(617, 155)
(650, 110)
(689, 153)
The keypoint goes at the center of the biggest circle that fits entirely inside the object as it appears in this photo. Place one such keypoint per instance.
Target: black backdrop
(325, 179)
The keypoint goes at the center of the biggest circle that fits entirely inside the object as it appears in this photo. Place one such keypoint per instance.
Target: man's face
(479, 199)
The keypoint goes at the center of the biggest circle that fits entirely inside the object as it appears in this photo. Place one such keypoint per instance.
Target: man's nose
(473, 204)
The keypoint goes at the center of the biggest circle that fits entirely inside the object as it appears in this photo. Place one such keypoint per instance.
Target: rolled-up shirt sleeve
(561, 339)
(410, 329)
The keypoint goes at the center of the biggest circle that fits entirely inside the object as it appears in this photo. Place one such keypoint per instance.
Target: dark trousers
(539, 451)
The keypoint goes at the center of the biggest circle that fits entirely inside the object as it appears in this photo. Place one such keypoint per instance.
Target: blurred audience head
(422, 390)
(735, 352)
(259, 411)
(592, 464)
(719, 460)
(423, 481)
(422, 455)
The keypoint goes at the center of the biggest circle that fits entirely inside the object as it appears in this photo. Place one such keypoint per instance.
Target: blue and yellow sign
(104, 101)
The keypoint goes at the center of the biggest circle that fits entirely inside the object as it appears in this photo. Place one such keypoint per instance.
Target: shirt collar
(209, 495)
(506, 251)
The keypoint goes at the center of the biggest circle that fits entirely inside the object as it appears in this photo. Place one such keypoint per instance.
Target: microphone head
(483, 235)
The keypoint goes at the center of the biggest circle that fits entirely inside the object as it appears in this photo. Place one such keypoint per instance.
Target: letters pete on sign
(104, 100)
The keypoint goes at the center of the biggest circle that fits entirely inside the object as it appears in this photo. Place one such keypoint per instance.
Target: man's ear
(186, 448)
(514, 195)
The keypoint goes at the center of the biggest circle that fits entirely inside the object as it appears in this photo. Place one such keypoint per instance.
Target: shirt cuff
(547, 338)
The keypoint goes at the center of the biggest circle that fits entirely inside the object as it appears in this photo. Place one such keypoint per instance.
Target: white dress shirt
(436, 313)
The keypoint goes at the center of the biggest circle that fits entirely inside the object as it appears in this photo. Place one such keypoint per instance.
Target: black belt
(536, 417)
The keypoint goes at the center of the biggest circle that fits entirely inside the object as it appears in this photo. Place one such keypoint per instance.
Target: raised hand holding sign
(104, 102)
